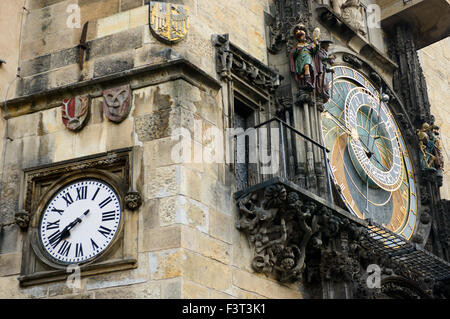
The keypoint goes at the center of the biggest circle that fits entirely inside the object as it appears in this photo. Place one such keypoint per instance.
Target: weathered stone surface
(160, 238)
(171, 288)
(221, 226)
(204, 271)
(153, 126)
(130, 4)
(193, 290)
(139, 291)
(97, 133)
(113, 64)
(262, 286)
(26, 125)
(166, 264)
(10, 264)
(64, 57)
(119, 279)
(165, 181)
(36, 65)
(205, 245)
(115, 43)
(64, 76)
(51, 121)
(35, 84)
(10, 289)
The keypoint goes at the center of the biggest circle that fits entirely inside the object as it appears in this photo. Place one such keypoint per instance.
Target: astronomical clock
(370, 163)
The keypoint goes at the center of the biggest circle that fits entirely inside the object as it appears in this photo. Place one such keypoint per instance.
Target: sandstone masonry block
(160, 238)
(10, 264)
(140, 291)
(205, 271)
(262, 286)
(113, 64)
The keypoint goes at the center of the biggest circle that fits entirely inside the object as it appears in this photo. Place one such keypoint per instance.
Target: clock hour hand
(66, 231)
(370, 153)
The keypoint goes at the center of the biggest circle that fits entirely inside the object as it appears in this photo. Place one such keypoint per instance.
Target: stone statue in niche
(351, 13)
(430, 147)
(302, 55)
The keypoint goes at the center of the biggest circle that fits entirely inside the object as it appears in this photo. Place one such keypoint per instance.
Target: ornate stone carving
(233, 61)
(352, 60)
(351, 13)
(133, 200)
(224, 56)
(280, 228)
(75, 112)
(22, 219)
(117, 103)
(409, 81)
(287, 14)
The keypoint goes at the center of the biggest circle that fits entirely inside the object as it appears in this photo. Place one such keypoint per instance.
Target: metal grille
(405, 253)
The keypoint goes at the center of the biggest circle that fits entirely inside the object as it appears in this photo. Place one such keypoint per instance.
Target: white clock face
(80, 221)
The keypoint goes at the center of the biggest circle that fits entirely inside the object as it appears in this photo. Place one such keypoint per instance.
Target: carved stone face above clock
(369, 159)
(80, 222)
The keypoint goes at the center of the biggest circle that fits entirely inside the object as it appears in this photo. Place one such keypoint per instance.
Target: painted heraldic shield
(75, 112)
(116, 103)
(168, 22)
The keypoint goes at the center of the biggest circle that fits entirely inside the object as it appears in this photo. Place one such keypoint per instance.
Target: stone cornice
(171, 70)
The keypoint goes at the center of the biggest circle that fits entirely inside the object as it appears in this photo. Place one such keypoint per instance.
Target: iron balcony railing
(276, 149)
(278, 145)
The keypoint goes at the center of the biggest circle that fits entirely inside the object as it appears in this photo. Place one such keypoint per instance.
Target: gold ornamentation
(169, 22)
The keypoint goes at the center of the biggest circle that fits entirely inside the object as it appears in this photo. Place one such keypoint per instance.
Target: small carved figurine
(301, 58)
(427, 146)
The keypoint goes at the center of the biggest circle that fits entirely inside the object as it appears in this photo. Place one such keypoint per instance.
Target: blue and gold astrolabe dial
(369, 160)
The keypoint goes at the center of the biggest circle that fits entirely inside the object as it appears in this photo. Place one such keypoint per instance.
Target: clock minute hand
(66, 231)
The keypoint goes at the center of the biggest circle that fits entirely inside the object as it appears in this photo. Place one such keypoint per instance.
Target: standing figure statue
(438, 150)
(324, 59)
(427, 146)
(301, 58)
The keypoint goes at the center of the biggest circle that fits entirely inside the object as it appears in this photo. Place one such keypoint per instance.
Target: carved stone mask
(116, 103)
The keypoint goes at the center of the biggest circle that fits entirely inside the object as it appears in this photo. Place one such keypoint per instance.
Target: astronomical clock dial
(369, 160)
(80, 221)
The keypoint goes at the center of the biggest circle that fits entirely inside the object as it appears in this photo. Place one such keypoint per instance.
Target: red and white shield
(116, 103)
(75, 112)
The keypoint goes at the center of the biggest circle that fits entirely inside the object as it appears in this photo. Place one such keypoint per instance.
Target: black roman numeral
(59, 211)
(82, 192)
(68, 199)
(105, 202)
(53, 239)
(94, 245)
(107, 216)
(79, 250)
(53, 225)
(104, 231)
(65, 248)
(96, 192)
